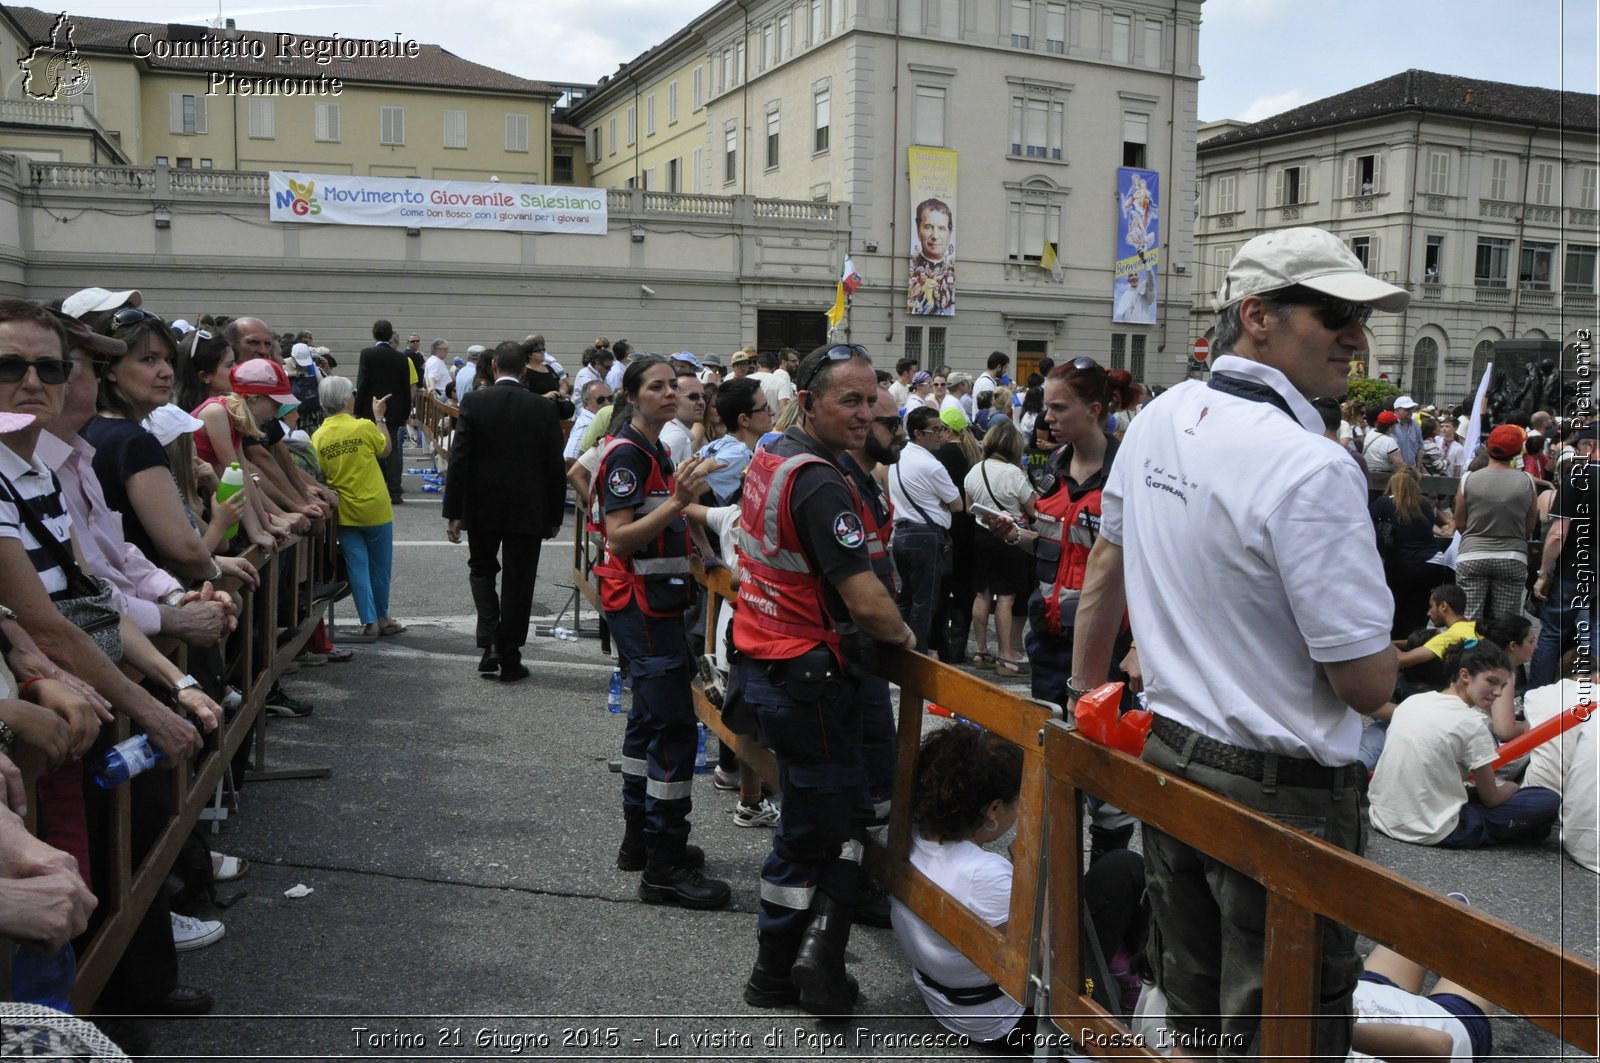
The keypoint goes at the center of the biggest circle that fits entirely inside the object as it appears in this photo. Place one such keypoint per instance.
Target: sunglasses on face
(1335, 314)
(893, 424)
(697, 396)
(129, 316)
(13, 367)
(841, 352)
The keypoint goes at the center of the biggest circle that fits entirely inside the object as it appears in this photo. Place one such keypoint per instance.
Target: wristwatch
(186, 683)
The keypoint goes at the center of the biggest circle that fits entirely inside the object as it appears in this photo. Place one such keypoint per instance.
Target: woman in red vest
(645, 586)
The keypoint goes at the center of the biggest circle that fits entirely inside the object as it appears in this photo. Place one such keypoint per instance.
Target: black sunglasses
(1335, 314)
(132, 315)
(840, 352)
(1083, 363)
(13, 367)
(894, 424)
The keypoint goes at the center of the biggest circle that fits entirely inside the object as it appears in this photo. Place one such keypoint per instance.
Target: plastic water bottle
(564, 634)
(700, 764)
(47, 978)
(614, 697)
(431, 488)
(127, 759)
(231, 484)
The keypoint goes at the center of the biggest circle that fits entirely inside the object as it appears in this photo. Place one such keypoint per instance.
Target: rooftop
(1422, 90)
(432, 67)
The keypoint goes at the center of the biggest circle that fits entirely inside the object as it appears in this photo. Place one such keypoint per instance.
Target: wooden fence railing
(260, 656)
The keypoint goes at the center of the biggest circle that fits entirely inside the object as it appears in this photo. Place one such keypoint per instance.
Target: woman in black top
(1407, 525)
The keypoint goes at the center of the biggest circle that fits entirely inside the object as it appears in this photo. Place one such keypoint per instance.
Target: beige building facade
(1477, 197)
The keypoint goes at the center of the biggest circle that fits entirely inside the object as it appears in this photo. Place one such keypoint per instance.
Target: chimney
(231, 24)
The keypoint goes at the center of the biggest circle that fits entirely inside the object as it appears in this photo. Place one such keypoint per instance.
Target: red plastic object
(1543, 733)
(940, 710)
(1098, 721)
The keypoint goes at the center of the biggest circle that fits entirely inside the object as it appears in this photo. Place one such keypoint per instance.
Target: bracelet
(22, 691)
(1075, 692)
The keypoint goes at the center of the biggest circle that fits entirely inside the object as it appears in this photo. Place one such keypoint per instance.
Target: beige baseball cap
(1311, 258)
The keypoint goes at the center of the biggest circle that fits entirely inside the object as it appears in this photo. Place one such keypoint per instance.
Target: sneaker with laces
(725, 780)
(189, 933)
(761, 814)
(232, 700)
(281, 704)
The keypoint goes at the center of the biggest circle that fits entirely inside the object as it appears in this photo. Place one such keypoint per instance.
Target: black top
(123, 449)
(1059, 467)
(1575, 501)
(384, 370)
(628, 471)
(505, 472)
(1414, 542)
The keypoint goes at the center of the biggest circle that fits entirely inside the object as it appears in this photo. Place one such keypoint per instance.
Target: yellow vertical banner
(931, 287)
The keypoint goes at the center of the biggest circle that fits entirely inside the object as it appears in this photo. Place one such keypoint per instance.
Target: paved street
(465, 903)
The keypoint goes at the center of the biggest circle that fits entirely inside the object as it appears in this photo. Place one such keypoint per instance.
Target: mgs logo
(55, 70)
(305, 200)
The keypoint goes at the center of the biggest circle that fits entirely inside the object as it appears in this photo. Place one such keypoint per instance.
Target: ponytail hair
(1475, 656)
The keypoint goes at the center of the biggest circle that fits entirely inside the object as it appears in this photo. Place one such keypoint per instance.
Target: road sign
(1202, 349)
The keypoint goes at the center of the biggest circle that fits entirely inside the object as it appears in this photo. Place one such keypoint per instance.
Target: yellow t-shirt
(1457, 632)
(348, 449)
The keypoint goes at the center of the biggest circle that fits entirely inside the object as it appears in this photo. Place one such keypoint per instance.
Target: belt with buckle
(1250, 763)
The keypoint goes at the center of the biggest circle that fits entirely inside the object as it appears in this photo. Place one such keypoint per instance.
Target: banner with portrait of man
(931, 288)
(1135, 278)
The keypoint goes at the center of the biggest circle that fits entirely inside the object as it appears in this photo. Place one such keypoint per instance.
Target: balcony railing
(1537, 299)
(77, 176)
(1492, 296)
(220, 182)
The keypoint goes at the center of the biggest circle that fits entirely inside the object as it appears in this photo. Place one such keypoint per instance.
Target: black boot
(1103, 840)
(769, 985)
(826, 988)
(633, 854)
(683, 884)
(872, 902)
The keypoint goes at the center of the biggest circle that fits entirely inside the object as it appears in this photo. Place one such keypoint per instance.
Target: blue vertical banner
(1137, 274)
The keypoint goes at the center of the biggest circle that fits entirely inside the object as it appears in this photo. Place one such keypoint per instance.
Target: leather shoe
(185, 1000)
(511, 673)
(490, 661)
(336, 590)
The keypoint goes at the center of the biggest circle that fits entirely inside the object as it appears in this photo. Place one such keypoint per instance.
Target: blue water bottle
(700, 765)
(127, 759)
(614, 698)
(47, 978)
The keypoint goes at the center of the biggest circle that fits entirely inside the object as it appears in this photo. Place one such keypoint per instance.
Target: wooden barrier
(261, 656)
(1038, 957)
(438, 419)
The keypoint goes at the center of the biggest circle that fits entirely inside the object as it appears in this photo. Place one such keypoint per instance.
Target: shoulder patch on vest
(847, 530)
(622, 482)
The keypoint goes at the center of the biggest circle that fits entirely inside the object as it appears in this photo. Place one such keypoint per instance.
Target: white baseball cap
(169, 422)
(302, 353)
(1311, 258)
(91, 300)
(1405, 402)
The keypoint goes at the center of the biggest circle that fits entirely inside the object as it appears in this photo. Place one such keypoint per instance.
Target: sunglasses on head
(840, 352)
(13, 367)
(1335, 314)
(132, 315)
(1084, 363)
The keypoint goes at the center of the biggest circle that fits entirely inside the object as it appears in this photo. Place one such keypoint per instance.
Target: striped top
(41, 492)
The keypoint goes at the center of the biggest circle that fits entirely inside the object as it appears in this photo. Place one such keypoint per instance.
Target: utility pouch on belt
(806, 677)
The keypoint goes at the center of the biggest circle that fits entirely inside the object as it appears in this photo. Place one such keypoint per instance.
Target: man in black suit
(507, 487)
(384, 370)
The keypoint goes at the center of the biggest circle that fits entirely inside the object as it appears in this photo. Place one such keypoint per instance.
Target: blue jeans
(1566, 616)
(1526, 817)
(918, 555)
(369, 557)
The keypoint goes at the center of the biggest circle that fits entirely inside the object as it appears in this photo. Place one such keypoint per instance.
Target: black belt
(966, 997)
(1270, 768)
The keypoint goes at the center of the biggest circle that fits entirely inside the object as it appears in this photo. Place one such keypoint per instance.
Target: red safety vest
(783, 610)
(655, 577)
(878, 539)
(1072, 528)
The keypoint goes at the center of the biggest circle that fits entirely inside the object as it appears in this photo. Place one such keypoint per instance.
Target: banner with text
(932, 285)
(1134, 294)
(412, 202)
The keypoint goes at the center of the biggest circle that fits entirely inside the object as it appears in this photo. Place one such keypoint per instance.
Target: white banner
(411, 202)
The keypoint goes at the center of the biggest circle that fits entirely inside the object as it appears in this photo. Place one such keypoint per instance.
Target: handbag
(86, 601)
(946, 558)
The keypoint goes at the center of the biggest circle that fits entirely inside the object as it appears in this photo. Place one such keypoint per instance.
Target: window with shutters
(649, 184)
(633, 125)
(1586, 187)
(1119, 351)
(1499, 177)
(186, 113)
(650, 115)
(1021, 23)
(1038, 122)
(1135, 135)
(1535, 266)
(1291, 186)
(769, 46)
(1425, 369)
(698, 87)
(698, 176)
(593, 154)
(1361, 175)
(927, 117)
(672, 103)
(730, 153)
(562, 170)
(392, 125)
(1055, 28)
(725, 81)
(944, 18)
(328, 122)
(785, 37)
(516, 132)
(1151, 47)
(820, 119)
(1033, 218)
(263, 118)
(838, 16)
(1439, 173)
(674, 175)
(1121, 38)
(819, 22)
(455, 129)
(772, 137)
(1227, 193)
(611, 134)
(1362, 247)
(1544, 179)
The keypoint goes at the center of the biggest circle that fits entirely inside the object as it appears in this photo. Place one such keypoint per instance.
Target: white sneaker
(764, 814)
(189, 933)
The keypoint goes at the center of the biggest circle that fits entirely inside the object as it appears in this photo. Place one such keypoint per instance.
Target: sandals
(1007, 667)
(226, 868)
(390, 627)
(983, 661)
(339, 655)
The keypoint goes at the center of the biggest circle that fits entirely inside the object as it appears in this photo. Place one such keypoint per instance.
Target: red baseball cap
(1506, 441)
(261, 376)
(1387, 417)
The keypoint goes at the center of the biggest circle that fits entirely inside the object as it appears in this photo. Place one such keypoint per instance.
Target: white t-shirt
(1435, 739)
(1232, 515)
(912, 402)
(436, 374)
(898, 392)
(580, 421)
(919, 478)
(1011, 485)
(984, 384)
(980, 880)
(614, 375)
(1379, 447)
(1567, 765)
(776, 387)
(678, 441)
(1374, 1002)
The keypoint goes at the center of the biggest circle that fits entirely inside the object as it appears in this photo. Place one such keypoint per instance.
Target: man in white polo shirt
(1229, 512)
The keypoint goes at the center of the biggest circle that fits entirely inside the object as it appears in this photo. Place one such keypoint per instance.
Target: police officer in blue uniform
(810, 605)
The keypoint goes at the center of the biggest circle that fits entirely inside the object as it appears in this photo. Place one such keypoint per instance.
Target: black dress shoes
(185, 1000)
(490, 661)
(512, 672)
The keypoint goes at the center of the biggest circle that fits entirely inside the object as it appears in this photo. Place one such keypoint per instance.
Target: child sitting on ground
(1437, 738)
